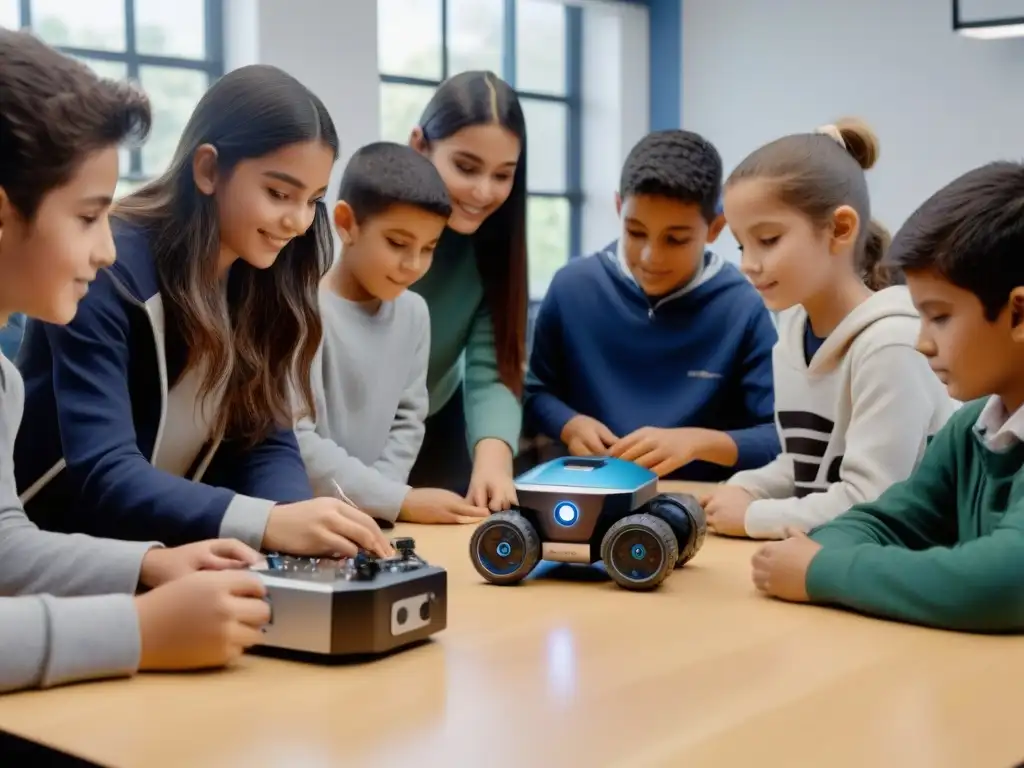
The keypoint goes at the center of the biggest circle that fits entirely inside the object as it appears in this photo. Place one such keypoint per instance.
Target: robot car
(584, 510)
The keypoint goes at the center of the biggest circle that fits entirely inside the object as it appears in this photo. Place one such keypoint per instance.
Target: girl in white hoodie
(855, 403)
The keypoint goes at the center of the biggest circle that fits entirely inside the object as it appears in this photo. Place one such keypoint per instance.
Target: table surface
(569, 670)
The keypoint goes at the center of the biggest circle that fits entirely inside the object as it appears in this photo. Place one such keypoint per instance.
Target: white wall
(616, 112)
(940, 103)
(330, 45)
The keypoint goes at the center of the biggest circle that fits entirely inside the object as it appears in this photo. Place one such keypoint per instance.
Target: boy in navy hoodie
(656, 350)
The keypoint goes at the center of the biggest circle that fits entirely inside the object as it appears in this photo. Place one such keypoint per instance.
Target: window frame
(572, 100)
(212, 64)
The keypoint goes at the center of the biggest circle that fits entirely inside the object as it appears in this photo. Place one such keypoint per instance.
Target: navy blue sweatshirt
(96, 394)
(701, 357)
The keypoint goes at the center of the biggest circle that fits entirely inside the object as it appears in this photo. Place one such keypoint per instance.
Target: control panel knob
(406, 546)
(366, 567)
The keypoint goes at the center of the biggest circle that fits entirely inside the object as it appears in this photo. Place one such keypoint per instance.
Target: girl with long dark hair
(474, 131)
(165, 409)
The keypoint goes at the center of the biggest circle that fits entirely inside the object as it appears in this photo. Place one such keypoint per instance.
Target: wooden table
(572, 672)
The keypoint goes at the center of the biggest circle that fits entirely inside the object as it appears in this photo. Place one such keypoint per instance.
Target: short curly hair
(54, 113)
(677, 164)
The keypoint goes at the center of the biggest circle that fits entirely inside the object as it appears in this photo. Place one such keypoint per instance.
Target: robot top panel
(587, 475)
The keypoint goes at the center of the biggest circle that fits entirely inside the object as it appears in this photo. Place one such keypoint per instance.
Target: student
(164, 410)
(370, 374)
(474, 132)
(75, 618)
(855, 402)
(944, 547)
(656, 350)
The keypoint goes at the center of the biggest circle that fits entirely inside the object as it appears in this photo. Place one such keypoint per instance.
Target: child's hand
(162, 565)
(324, 527)
(491, 484)
(584, 436)
(201, 620)
(436, 505)
(662, 451)
(726, 510)
(780, 568)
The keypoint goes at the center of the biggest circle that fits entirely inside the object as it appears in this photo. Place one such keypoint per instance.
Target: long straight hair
(477, 98)
(261, 334)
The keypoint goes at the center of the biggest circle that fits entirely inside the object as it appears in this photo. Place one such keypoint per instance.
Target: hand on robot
(585, 436)
(162, 565)
(324, 527)
(662, 451)
(202, 620)
(492, 484)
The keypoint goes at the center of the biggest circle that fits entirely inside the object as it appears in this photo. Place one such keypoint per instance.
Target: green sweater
(462, 345)
(944, 548)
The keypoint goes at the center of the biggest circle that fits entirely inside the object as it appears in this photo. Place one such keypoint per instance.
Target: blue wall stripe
(666, 63)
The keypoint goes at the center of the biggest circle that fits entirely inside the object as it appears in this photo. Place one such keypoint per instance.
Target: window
(173, 49)
(534, 45)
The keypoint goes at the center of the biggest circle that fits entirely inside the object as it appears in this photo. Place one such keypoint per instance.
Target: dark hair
(264, 332)
(384, 174)
(680, 165)
(54, 113)
(476, 98)
(972, 233)
(816, 173)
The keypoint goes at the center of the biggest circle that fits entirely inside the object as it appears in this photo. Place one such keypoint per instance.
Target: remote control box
(362, 605)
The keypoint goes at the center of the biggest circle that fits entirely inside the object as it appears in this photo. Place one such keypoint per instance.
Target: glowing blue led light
(566, 513)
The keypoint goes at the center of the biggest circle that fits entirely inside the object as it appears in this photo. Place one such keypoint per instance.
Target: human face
(663, 240)
(789, 259)
(265, 202)
(478, 165)
(390, 251)
(971, 355)
(48, 262)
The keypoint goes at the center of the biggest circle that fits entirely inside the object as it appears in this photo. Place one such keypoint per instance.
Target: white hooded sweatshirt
(852, 422)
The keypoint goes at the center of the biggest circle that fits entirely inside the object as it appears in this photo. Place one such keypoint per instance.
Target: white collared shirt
(998, 429)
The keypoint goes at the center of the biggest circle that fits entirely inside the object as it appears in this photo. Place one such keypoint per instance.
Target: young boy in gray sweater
(370, 374)
(68, 609)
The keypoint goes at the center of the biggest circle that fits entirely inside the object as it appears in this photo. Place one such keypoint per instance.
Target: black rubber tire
(658, 534)
(686, 517)
(512, 529)
(700, 525)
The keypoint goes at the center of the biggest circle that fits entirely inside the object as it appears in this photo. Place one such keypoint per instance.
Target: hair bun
(860, 141)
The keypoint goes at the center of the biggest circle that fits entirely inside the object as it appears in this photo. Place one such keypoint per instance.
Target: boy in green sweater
(945, 548)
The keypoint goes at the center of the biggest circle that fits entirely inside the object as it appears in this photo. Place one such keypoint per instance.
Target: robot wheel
(685, 516)
(639, 552)
(505, 548)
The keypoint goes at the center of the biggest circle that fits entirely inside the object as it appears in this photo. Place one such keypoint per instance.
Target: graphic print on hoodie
(852, 421)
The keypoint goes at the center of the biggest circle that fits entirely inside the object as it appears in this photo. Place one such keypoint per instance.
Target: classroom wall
(941, 103)
(331, 46)
(616, 109)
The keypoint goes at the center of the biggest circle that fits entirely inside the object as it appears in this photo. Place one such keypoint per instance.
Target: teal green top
(944, 548)
(462, 345)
